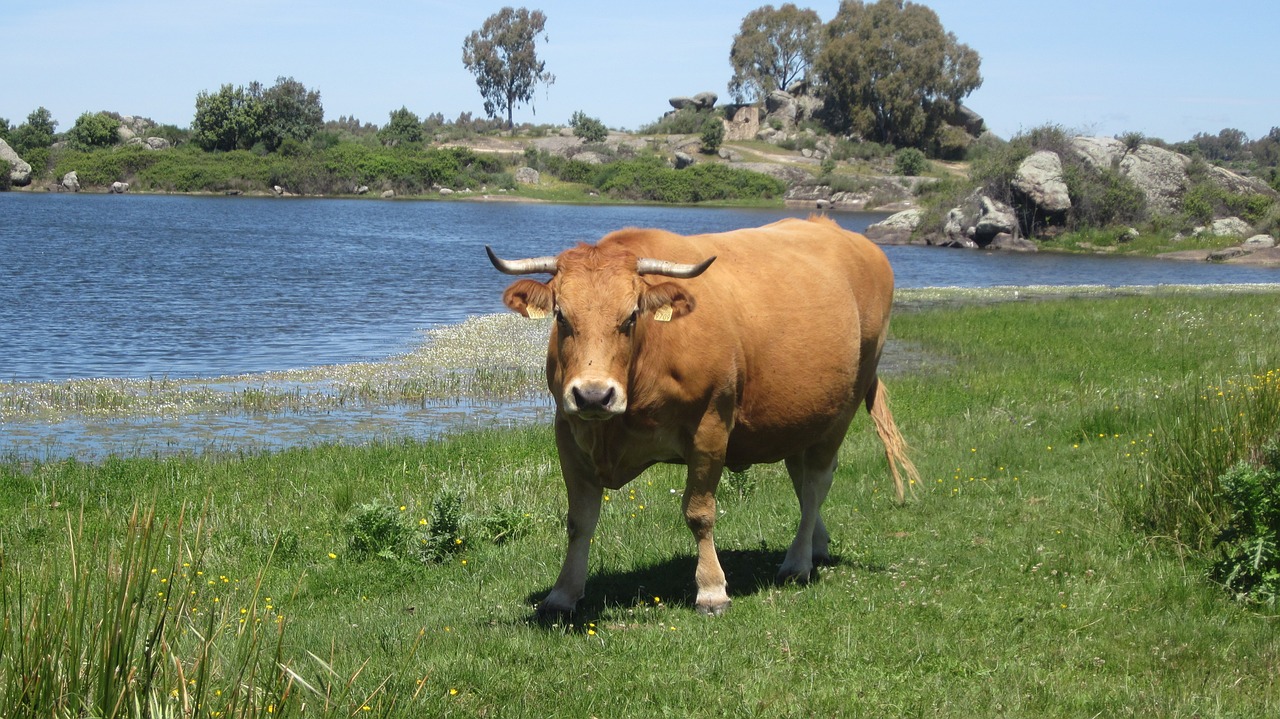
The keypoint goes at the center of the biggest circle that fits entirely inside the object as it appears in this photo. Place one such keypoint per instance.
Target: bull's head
(602, 302)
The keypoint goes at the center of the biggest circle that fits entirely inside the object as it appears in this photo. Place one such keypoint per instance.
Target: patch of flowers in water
(494, 358)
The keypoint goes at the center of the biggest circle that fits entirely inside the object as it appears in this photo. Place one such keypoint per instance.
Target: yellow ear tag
(663, 313)
(535, 313)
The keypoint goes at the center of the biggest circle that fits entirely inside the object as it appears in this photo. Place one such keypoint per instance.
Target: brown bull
(729, 349)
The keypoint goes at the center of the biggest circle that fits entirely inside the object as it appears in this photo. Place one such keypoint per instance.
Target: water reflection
(94, 440)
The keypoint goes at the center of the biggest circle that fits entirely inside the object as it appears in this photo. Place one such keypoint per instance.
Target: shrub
(1269, 223)
(712, 135)
(93, 130)
(1249, 564)
(5, 182)
(993, 166)
(588, 128)
(951, 143)
(687, 121)
(847, 149)
(649, 179)
(103, 167)
(443, 535)
(1131, 140)
(1198, 439)
(376, 529)
(910, 162)
(1205, 200)
(1102, 198)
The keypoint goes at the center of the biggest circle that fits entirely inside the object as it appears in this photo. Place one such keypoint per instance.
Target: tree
(503, 56)
(228, 119)
(34, 134)
(773, 49)
(93, 130)
(588, 128)
(404, 126)
(289, 112)
(891, 73)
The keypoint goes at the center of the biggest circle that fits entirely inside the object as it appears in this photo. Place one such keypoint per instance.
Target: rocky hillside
(1037, 201)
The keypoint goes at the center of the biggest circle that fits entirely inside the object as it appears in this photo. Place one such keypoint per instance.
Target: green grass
(1148, 244)
(1022, 580)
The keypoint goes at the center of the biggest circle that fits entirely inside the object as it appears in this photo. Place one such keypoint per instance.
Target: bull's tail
(895, 447)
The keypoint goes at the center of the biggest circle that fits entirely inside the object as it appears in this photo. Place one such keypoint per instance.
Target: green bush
(1205, 200)
(588, 128)
(298, 167)
(1102, 198)
(712, 135)
(93, 130)
(951, 143)
(443, 535)
(686, 121)
(847, 149)
(992, 167)
(376, 529)
(1201, 435)
(1269, 222)
(104, 166)
(649, 179)
(1249, 565)
(5, 182)
(910, 162)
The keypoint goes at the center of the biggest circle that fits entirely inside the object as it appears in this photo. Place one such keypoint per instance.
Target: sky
(1168, 69)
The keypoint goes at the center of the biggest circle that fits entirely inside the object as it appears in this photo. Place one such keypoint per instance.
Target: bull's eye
(629, 323)
(563, 322)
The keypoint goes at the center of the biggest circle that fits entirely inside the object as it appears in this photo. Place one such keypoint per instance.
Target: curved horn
(531, 266)
(648, 266)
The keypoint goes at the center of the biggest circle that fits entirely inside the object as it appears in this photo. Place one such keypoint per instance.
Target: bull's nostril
(593, 397)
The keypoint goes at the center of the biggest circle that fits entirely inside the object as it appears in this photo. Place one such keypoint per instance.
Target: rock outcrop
(994, 219)
(527, 176)
(1039, 179)
(1160, 174)
(744, 125)
(982, 222)
(701, 101)
(896, 229)
(70, 182)
(1042, 199)
(19, 169)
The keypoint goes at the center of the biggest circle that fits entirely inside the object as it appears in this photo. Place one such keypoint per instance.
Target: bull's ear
(667, 301)
(529, 297)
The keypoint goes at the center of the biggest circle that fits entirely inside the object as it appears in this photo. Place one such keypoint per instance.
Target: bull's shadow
(748, 571)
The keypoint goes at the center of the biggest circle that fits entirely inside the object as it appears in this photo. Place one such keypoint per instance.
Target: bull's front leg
(699, 504)
(580, 524)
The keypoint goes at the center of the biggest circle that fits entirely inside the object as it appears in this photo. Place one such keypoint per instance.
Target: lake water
(101, 286)
(152, 286)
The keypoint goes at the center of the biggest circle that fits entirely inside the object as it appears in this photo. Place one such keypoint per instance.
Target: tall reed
(1203, 431)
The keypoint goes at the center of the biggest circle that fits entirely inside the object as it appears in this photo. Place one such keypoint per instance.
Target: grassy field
(1032, 574)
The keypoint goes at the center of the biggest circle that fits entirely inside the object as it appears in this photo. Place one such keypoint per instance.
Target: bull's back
(788, 315)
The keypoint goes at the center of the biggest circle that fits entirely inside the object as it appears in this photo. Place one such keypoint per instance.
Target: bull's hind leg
(811, 474)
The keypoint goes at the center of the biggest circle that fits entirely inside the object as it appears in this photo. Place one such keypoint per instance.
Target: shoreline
(1265, 258)
(504, 342)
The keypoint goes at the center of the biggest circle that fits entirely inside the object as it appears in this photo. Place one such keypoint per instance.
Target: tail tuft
(895, 447)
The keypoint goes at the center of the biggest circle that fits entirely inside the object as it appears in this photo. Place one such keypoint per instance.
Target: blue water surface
(176, 286)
